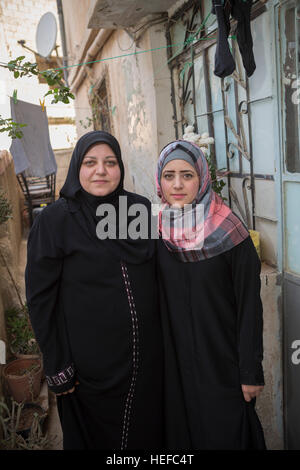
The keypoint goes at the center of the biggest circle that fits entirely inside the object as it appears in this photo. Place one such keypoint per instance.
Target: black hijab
(129, 250)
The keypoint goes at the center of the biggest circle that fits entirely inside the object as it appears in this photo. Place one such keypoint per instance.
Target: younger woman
(211, 310)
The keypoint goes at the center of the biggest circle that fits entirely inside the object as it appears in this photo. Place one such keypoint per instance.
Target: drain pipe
(63, 39)
(90, 55)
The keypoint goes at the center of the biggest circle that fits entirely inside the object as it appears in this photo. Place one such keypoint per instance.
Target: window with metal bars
(218, 107)
(100, 108)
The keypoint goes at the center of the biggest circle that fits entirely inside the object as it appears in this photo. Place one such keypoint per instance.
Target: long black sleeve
(246, 279)
(42, 276)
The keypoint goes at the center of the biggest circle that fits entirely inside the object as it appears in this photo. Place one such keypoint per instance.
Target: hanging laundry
(240, 10)
(33, 153)
(224, 62)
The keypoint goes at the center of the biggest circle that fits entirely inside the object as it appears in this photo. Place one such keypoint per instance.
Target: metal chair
(37, 190)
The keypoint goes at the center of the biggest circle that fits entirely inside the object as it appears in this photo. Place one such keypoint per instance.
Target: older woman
(211, 309)
(93, 307)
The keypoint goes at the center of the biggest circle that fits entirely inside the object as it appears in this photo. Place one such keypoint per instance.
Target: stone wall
(11, 231)
(10, 239)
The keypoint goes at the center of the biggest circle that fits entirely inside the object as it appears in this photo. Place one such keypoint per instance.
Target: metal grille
(192, 97)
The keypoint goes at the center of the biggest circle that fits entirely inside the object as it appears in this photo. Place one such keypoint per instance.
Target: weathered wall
(270, 402)
(62, 159)
(10, 239)
(139, 93)
(138, 87)
(76, 27)
(11, 231)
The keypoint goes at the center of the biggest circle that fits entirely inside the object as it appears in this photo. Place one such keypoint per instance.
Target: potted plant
(14, 420)
(30, 413)
(23, 379)
(21, 338)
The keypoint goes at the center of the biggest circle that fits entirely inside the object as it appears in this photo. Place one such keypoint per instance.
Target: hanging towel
(33, 152)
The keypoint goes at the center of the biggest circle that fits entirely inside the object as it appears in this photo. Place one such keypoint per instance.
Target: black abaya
(96, 319)
(93, 307)
(212, 325)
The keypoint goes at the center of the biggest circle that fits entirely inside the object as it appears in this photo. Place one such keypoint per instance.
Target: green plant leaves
(5, 208)
(53, 77)
(20, 334)
(13, 128)
(217, 185)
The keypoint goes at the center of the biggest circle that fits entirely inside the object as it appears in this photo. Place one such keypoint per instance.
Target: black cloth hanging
(240, 10)
(93, 305)
(212, 324)
(224, 62)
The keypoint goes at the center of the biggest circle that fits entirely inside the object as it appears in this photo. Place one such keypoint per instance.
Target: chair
(37, 190)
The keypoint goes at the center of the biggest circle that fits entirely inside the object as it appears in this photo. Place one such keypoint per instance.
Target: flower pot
(27, 356)
(27, 417)
(23, 378)
(30, 356)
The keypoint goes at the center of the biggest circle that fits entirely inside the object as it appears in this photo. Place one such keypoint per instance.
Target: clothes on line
(240, 10)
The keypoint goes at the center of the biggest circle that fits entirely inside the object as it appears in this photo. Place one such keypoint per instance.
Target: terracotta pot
(31, 356)
(27, 416)
(24, 382)
(27, 356)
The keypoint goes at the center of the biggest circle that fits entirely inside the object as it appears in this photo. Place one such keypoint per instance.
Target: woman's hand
(68, 391)
(251, 391)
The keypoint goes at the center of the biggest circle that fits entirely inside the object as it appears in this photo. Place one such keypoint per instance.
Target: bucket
(23, 378)
(256, 241)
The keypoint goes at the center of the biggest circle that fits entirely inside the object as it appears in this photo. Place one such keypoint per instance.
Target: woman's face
(179, 183)
(99, 173)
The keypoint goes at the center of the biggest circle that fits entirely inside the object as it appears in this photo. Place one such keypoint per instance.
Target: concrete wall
(270, 402)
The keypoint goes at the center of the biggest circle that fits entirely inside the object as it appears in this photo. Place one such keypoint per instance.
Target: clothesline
(188, 41)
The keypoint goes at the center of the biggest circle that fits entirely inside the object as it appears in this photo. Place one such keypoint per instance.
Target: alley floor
(52, 425)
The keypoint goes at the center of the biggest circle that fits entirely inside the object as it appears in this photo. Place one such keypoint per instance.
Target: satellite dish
(46, 33)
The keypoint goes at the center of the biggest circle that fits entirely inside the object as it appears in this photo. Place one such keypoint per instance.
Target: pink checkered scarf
(183, 232)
